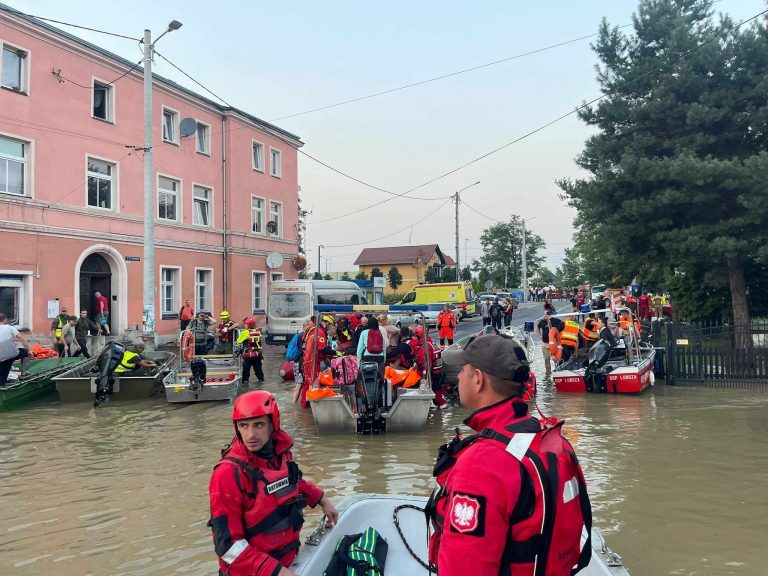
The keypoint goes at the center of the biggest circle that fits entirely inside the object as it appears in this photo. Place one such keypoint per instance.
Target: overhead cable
(19, 13)
(61, 78)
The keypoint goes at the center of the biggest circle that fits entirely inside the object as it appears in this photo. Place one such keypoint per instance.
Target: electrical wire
(19, 13)
(61, 78)
(211, 92)
(62, 132)
(480, 213)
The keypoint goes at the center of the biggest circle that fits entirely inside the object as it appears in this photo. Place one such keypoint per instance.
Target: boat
(38, 384)
(79, 383)
(371, 405)
(400, 521)
(203, 377)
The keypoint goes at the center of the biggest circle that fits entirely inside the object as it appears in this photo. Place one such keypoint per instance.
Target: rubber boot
(25, 367)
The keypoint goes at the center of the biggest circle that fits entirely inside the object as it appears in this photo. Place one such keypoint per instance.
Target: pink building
(71, 188)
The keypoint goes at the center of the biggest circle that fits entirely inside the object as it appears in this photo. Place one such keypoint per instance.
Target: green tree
(448, 274)
(570, 273)
(361, 276)
(346, 276)
(395, 278)
(317, 276)
(503, 249)
(376, 272)
(678, 162)
(466, 274)
(327, 277)
(546, 277)
(301, 226)
(433, 275)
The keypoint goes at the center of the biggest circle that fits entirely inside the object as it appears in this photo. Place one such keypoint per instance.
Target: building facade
(411, 261)
(72, 193)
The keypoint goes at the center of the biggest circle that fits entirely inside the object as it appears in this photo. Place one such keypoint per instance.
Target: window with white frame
(12, 299)
(276, 276)
(203, 139)
(201, 208)
(170, 290)
(276, 216)
(170, 126)
(102, 101)
(168, 198)
(100, 183)
(257, 215)
(275, 166)
(203, 289)
(14, 69)
(258, 156)
(13, 166)
(258, 291)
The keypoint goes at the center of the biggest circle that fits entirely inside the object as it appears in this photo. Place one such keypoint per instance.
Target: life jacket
(358, 554)
(405, 378)
(128, 362)
(544, 537)
(590, 331)
(226, 336)
(272, 514)
(555, 344)
(570, 334)
(446, 320)
(435, 355)
(252, 345)
(59, 326)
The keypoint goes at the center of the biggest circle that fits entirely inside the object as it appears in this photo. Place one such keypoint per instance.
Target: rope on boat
(431, 568)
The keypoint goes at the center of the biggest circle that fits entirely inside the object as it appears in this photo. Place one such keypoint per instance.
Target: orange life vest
(570, 335)
(555, 344)
(590, 331)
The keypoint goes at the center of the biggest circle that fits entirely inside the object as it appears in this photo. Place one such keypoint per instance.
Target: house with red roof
(411, 261)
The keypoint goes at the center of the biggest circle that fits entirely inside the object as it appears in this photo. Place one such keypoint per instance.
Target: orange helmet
(256, 403)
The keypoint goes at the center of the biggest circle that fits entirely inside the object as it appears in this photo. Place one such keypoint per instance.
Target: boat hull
(621, 380)
(40, 383)
(178, 391)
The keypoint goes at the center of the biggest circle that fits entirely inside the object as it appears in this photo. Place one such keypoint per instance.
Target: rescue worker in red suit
(497, 489)
(446, 324)
(316, 349)
(419, 351)
(257, 494)
(250, 339)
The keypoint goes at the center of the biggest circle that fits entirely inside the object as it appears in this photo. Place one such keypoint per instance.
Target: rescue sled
(371, 405)
(203, 377)
(401, 522)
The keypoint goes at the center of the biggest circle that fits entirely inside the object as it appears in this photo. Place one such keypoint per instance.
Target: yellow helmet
(327, 318)
(224, 314)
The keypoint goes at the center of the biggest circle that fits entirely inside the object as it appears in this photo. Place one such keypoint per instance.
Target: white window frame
(207, 128)
(275, 276)
(114, 179)
(176, 286)
(209, 299)
(272, 172)
(179, 198)
(175, 128)
(8, 279)
(262, 290)
(24, 74)
(26, 187)
(279, 233)
(262, 159)
(110, 119)
(263, 227)
(210, 204)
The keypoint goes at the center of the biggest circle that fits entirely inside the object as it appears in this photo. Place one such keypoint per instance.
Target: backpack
(495, 311)
(344, 369)
(363, 554)
(294, 348)
(375, 342)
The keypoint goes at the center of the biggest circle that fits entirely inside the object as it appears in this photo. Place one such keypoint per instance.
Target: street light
(524, 265)
(466, 251)
(149, 185)
(318, 259)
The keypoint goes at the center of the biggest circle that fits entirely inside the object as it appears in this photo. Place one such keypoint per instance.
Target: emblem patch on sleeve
(467, 514)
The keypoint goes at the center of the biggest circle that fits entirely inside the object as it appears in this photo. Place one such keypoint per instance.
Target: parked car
(403, 318)
(430, 314)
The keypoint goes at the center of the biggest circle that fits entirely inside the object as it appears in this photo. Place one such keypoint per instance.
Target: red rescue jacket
(252, 346)
(256, 508)
(510, 500)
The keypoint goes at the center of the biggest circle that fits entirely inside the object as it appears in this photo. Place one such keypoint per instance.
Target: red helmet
(418, 331)
(256, 403)
(250, 323)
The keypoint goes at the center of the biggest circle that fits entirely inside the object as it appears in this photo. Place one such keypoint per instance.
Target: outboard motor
(595, 376)
(199, 371)
(108, 360)
(369, 400)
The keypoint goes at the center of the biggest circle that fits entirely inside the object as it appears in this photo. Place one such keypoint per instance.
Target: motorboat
(38, 384)
(401, 522)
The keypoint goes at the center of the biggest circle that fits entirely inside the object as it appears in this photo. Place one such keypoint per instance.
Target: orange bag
(406, 378)
(321, 392)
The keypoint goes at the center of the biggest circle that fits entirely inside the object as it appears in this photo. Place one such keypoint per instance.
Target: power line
(211, 92)
(17, 12)
(61, 78)
(481, 214)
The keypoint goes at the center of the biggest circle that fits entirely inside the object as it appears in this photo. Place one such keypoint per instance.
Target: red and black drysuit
(488, 510)
(256, 507)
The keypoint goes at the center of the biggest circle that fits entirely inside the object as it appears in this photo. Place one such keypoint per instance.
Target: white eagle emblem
(465, 512)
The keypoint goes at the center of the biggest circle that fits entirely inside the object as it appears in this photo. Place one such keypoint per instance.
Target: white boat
(358, 513)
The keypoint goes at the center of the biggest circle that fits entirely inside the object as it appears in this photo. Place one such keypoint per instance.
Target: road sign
(488, 284)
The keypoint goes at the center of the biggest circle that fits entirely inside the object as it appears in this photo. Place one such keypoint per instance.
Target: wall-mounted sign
(379, 282)
(682, 341)
(133, 258)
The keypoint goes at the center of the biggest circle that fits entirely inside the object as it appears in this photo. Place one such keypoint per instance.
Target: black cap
(495, 354)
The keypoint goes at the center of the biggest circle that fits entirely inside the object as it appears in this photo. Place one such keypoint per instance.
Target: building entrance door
(95, 276)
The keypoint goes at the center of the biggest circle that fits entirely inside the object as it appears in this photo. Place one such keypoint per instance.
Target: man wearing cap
(224, 333)
(56, 328)
(488, 511)
(202, 338)
(542, 331)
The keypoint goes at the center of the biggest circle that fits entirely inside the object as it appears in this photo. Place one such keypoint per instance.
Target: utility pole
(524, 267)
(457, 199)
(318, 258)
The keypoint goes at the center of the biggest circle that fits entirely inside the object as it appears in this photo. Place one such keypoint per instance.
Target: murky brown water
(677, 477)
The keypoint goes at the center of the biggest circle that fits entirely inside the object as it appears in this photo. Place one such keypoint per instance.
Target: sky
(275, 59)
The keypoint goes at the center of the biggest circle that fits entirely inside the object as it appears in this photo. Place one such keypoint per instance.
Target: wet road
(677, 478)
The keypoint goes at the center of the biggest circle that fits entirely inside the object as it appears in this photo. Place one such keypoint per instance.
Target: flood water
(677, 478)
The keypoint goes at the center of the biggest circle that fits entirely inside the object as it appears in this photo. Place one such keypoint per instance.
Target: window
(203, 289)
(170, 289)
(201, 209)
(276, 276)
(170, 126)
(14, 69)
(11, 295)
(100, 183)
(102, 101)
(13, 166)
(275, 168)
(203, 139)
(168, 198)
(275, 210)
(257, 215)
(258, 291)
(258, 156)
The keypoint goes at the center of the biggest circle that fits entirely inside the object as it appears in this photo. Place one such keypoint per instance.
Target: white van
(291, 303)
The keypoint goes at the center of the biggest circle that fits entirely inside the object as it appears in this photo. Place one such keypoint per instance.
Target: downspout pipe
(225, 193)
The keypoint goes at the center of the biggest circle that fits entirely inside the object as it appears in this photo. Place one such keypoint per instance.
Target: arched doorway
(95, 276)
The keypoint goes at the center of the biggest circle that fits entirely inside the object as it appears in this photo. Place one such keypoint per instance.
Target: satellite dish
(188, 127)
(274, 260)
(272, 227)
(299, 262)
